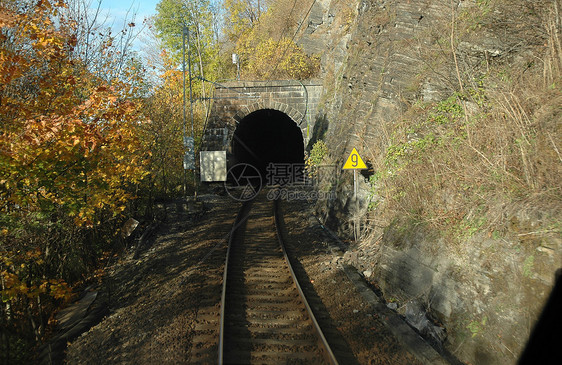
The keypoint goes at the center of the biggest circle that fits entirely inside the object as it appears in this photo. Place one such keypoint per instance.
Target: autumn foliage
(69, 163)
(87, 141)
(265, 39)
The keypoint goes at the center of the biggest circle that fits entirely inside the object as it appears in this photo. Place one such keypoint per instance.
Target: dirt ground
(366, 335)
(155, 299)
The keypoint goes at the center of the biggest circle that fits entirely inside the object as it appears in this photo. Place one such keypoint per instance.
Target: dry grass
(496, 143)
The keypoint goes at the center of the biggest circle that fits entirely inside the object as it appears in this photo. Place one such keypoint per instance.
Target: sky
(114, 14)
(117, 9)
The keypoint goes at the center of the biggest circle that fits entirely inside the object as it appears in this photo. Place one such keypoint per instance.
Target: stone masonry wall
(378, 59)
(236, 99)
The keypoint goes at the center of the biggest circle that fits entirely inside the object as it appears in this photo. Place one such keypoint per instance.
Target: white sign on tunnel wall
(213, 165)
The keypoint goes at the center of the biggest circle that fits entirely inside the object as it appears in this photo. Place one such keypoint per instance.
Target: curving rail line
(265, 316)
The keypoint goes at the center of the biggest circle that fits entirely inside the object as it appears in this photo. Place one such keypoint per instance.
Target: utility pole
(189, 143)
(184, 31)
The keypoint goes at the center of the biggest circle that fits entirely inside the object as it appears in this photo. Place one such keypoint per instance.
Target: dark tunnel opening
(267, 137)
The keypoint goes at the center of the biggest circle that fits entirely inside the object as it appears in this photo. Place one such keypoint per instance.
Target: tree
(101, 51)
(71, 155)
(164, 107)
(241, 16)
(197, 17)
(267, 59)
(266, 45)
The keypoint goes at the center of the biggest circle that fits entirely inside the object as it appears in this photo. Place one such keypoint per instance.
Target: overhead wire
(292, 38)
(279, 59)
(283, 56)
(283, 32)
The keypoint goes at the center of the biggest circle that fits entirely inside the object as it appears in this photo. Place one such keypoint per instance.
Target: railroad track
(265, 317)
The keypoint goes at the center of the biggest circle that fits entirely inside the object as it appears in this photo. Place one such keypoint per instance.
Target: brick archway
(294, 114)
(235, 100)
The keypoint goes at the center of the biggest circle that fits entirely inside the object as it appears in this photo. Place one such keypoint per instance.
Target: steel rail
(280, 226)
(241, 218)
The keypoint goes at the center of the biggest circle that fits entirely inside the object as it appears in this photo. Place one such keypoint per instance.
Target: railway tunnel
(268, 136)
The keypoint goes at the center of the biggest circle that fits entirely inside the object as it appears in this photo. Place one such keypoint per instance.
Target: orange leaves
(7, 18)
(34, 28)
(15, 269)
(12, 66)
(70, 156)
(43, 4)
(81, 160)
(58, 289)
(14, 287)
(38, 132)
(69, 141)
(34, 63)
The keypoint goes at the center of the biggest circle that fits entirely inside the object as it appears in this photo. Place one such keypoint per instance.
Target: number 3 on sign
(354, 162)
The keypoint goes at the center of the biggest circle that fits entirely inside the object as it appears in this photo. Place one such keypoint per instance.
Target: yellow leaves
(270, 59)
(70, 153)
(33, 254)
(81, 160)
(14, 287)
(16, 281)
(7, 18)
(60, 290)
(83, 222)
(45, 4)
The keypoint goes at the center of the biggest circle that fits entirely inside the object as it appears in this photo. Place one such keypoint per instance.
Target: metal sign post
(186, 30)
(355, 183)
(355, 162)
(236, 61)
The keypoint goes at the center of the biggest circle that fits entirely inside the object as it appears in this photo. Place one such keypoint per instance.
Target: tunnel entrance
(268, 136)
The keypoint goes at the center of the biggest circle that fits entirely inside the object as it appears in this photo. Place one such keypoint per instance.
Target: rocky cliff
(456, 108)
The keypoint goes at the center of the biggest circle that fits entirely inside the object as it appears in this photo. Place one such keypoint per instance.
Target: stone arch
(294, 114)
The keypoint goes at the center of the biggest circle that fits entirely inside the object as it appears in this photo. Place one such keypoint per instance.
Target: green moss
(476, 327)
(528, 266)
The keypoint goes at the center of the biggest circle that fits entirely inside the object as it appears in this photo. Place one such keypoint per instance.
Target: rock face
(379, 58)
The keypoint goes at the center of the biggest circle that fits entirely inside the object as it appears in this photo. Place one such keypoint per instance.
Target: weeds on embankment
(454, 165)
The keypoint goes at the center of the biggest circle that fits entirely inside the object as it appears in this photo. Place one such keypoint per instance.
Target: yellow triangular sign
(354, 161)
